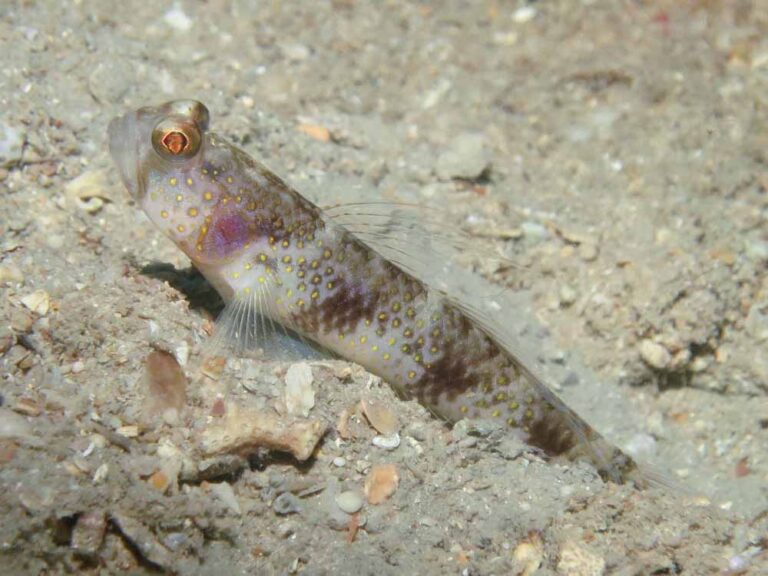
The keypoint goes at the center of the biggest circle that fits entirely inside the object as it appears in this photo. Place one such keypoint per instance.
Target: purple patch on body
(228, 234)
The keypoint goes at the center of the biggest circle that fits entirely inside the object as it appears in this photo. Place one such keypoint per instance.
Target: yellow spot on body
(286, 243)
(417, 358)
(173, 181)
(511, 422)
(392, 342)
(315, 295)
(496, 413)
(383, 316)
(300, 303)
(179, 197)
(406, 349)
(341, 336)
(247, 290)
(229, 180)
(164, 213)
(192, 212)
(419, 324)
(289, 292)
(302, 260)
(407, 296)
(248, 265)
(208, 196)
(199, 247)
(408, 333)
(239, 199)
(503, 380)
(235, 275)
(180, 228)
(262, 280)
(433, 349)
(436, 333)
(300, 244)
(190, 182)
(225, 200)
(410, 312)
(396, 307)
(501, 397)
(363, 339)
(375, 348)
(396, 322)
(387, 355)
(464, 409)
(528, 414)
(289, 269)
(326, 252)
(411, 374)
(302, 287)
(263, 257)
(315, 264)
(330, 286)
(287, 259)
(514, 405)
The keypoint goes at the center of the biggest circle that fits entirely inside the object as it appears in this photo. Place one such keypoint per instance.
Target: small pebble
(339, 462)
(38, 302)
(524, 14)
(655, 355)
(534, 230)
(349, 501)
(578, 561)
(466, 157)
(177, 19)
(588, 252)
(387, 442)
(567, 295)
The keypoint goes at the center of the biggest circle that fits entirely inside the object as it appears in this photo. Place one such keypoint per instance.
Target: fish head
(184, 177)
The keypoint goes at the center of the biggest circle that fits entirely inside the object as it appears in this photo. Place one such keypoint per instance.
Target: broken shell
(299, 396)
(38, 302)
(380, 416)
(381, 483)
(387, 442)
(166, 382)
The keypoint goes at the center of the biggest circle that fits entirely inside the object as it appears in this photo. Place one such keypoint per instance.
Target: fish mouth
(123, 147)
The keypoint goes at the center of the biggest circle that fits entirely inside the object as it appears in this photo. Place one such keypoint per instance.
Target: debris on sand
(243, 430)
(381, 483)
(299, 396)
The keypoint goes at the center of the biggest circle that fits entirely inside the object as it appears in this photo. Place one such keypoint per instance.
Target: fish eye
(176, 139)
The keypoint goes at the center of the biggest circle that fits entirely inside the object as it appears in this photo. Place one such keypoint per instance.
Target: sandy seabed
(622, 166)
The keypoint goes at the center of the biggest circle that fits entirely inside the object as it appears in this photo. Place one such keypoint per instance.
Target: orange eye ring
(176, 139)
